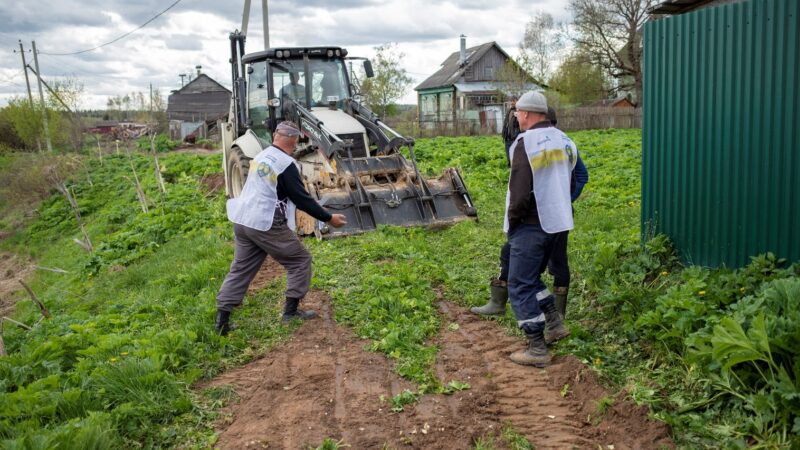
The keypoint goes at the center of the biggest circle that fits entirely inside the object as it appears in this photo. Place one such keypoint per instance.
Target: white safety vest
(255, 207)
(552, 156)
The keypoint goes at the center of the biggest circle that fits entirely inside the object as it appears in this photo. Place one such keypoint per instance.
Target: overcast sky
(195, 32)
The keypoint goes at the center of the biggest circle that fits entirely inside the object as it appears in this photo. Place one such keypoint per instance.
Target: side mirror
(274, 102)
(368, 69)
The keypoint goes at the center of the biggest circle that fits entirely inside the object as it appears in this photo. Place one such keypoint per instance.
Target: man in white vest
(538, 209)
(263, 224)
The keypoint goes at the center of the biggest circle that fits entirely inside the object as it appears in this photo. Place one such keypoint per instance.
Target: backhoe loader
(350, 160)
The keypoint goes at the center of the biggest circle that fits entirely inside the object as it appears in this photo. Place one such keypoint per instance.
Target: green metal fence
(721, 138)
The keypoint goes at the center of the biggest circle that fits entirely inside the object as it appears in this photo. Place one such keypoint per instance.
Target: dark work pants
(557, 265)
(252, 247)
(530, 249)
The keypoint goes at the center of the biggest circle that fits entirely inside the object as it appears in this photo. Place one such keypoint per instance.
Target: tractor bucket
(386, 190)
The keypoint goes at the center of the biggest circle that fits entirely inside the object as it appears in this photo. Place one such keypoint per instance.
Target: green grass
(132, 325)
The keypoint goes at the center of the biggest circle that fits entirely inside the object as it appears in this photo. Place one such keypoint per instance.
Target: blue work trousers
(530, 250)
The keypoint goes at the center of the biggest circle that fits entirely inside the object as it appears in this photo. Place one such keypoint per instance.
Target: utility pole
(265, 18)
(28, 84)
(25, 68)
(151, 102)
(41, 98)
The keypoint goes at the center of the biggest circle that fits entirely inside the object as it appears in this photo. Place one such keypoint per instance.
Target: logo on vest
(265, 171)
(570, 153)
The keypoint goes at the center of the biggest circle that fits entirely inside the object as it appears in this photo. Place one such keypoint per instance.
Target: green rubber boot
(497, 301)
(536, 354)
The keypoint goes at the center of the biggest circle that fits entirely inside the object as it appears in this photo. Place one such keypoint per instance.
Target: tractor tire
(238, 166)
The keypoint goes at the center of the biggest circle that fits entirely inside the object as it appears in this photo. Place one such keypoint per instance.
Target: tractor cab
(316, 78)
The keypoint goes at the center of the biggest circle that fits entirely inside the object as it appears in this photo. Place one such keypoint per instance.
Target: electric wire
(118, 37)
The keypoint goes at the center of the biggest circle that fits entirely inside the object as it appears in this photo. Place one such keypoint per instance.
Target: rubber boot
(497, 301)
(536, 354)
(222, 324)
(290, 311)
(560, 293)
(555, 328)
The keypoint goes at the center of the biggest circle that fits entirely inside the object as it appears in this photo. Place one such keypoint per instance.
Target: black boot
(223, 325)
(290, 311)
(536, 354)
(560, 293)
(555, 324)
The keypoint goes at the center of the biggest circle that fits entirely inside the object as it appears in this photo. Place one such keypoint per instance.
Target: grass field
(711, 352)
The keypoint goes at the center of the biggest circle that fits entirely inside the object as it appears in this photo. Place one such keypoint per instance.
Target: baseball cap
(287, 128)
(532, 101)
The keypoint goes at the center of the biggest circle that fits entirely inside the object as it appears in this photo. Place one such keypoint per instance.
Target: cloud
(195, 32)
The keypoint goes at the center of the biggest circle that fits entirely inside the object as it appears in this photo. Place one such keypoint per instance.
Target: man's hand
(337, 220)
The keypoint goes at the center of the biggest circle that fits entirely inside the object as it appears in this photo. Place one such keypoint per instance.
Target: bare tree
(540, 46)
(512, 80)
(609, 31)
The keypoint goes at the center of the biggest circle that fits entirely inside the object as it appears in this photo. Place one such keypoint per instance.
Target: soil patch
(270, 270)
(323, 384)
(12, 268)
(531, 399)
(213, 183)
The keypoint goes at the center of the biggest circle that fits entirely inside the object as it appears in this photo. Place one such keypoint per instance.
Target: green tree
(390, 82)
(578, 81)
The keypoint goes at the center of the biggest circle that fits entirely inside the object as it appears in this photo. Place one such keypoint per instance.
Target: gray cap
(532, 101)
(287, 128)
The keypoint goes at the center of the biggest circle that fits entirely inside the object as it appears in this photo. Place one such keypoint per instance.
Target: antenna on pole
(182, 75)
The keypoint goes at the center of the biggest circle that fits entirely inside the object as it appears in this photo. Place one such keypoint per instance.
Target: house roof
(451, 72)
(612, 101)
(201, 99)
(679, 6)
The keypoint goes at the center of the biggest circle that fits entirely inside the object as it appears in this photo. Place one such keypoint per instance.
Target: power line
(9, 80)
(118, 38)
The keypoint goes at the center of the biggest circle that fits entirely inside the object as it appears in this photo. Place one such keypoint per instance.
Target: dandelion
(597, 361)
(124, 353)
(701, 293)
(113, 360)
(741, 289)
(664, 273)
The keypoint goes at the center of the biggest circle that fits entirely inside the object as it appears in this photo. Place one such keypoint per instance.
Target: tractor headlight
(330, 53)
(279, 54)
(286, 53)
(338, 52)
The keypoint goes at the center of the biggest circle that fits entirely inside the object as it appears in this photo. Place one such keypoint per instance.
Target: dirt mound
(213, 183)
(622, 421)
(270, 270)
(322, 383)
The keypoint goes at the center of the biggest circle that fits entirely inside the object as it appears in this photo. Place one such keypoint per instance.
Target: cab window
(257, 97)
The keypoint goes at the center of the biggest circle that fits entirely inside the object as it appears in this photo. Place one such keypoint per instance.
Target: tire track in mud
(531, 399)
(323, 384)
(477, 353)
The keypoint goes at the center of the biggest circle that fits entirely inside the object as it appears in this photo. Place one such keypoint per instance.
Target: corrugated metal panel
(721, 146)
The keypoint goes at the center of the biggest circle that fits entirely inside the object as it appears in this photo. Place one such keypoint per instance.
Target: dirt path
(322, 383)
(531, 399)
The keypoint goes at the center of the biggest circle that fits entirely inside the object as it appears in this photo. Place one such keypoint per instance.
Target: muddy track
(323, 384)
(531, 399)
